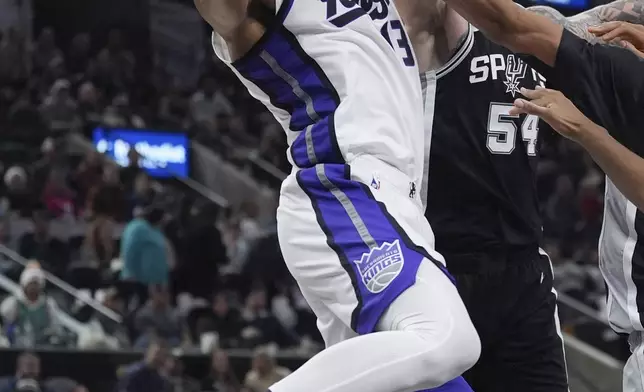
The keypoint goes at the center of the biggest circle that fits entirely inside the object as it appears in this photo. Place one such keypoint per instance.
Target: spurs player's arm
(231, 20)
(631, 11)
(624, 167)
(436, 30)
(528, 32)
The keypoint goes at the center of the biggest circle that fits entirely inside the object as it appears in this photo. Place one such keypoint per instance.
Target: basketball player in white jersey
(343, 82)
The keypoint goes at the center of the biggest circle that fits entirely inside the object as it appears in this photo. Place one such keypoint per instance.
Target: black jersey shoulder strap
(459, 54)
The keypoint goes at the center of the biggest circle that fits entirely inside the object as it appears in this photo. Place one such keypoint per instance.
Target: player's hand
(628, 35)
(555, 109)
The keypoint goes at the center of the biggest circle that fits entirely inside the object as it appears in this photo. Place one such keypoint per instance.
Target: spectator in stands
(59, 198)
(144, 254)
(53, 253)
(89, 104)
(121, 114)
(45, 50)
(272, 141)
(106, 198)
(259, 326)
(117, 333)
(223, 320)
(59, 109)
(237, 247)
(157, 318)
(99, 247)
(179, 381)
(27, 374)
(221, 377)
(12, 56)
(120, 57)
(18, 190)
(173, 108)
(63, 384)
(23, 113)
(130, 172)
(50, 158)
(264, 371)
(88, 174)
(146, 376)
(207, 103)
(78, 56)
(142, 192)
(31, 315)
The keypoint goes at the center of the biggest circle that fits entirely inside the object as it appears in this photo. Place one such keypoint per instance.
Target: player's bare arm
(230, 19)
(512, 26)
(624, 167)
(585, 24)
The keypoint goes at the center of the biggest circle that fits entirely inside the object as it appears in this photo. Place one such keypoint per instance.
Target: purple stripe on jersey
(295, 83)
(321, 147)
(371, 247)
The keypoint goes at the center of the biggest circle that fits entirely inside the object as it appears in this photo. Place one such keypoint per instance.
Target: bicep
(537, 36)
(513, 26)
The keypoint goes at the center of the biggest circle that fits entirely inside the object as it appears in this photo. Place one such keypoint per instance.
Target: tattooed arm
(621, 10)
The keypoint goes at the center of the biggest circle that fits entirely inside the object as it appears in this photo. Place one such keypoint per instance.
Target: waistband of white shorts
(366, 168)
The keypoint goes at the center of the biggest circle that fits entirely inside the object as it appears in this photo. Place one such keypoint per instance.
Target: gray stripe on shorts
(310, 149)
(348, 207)
(295, 85)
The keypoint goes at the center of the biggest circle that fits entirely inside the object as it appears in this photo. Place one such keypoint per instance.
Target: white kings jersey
(341, 78)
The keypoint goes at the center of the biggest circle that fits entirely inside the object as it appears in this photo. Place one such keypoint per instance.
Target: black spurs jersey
(481, 186)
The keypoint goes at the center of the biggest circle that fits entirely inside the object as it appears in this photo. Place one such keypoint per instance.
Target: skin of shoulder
(631, 11)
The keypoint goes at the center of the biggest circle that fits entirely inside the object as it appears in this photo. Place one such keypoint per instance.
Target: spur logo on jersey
(510, 69)
(514, 73)
(381, 266)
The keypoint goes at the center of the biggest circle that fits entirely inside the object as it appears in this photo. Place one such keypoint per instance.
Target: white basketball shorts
(353, 236)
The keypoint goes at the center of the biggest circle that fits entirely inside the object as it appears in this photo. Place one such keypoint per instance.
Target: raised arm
(231, 19)
(631, 11)
(512, 26)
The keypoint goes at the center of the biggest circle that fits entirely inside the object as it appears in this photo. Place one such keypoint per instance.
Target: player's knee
(456, 350)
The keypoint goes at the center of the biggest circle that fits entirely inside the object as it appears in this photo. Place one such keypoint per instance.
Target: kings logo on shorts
(380, 266)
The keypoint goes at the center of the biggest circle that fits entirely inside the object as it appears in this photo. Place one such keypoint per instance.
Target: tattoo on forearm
(631, 11)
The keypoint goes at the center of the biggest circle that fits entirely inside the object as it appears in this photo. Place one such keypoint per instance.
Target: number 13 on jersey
(502, 130)
(342, 12)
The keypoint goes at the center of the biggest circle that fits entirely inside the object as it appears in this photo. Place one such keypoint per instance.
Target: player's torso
(341, 78)
(482, 162)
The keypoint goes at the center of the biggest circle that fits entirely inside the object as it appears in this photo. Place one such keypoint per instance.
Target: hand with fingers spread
(629, 35)
(557, 110)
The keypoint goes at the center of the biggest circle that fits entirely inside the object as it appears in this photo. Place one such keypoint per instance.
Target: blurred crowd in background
(171, 271)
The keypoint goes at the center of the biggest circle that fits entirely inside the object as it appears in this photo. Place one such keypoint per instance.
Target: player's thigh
(331, 327)
(349, 248)
(633, 380)
(528, 355)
